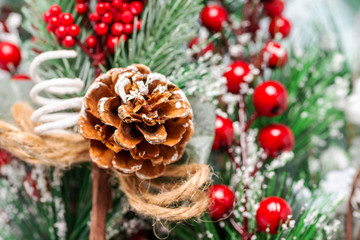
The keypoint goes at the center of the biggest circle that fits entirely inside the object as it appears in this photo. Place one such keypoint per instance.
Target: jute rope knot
(164, 199)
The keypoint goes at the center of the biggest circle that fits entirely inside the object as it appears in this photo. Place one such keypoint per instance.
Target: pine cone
(138, 121)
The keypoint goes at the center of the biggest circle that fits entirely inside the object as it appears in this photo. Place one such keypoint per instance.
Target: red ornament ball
(101, 29)
(272, 212)
(213, 17)
(270, 98)
(91, 41)
(274, 55)
(81, 8)
(68, 41)
(208, 48)
(136, 7)
(224, 133)
(275, 139)
(236, 75)
(222, 200)
(274, 8)
(10, 56)
(279, 26)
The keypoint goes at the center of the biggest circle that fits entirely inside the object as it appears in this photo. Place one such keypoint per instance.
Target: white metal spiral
(54, 113)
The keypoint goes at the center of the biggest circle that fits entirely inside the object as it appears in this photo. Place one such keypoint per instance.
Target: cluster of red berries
(278, 25)
(62, 25)
(115, 20)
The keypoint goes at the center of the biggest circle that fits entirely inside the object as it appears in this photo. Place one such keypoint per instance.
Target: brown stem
(101, 203)
(253, 117)
(258, 166)
(236, 226)
(230, 152)
(349, 217)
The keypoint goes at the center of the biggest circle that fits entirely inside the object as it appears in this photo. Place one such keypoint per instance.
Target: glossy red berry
(50, 28)
(74, 30)
(128, 28)
(117, 3)
(138, 25)
(5, 157)
(54, 22)
(81, 8)
(100, 8)
(270, 98)
(46, 16)
(66, 19)
(224, 133)
(61, 32)
(101, 29)
(274, 55)
(107, 6)
(123, 38)
(279, 26)
(18, 77)
(95, 17)
(117, 29)
(127, 17)
(136, 7)
(213, 17)
(91, 41)
(111, 43)
(10, 56)
(275, 139)
(107, 18)
(236, 75)
(274, 8)
(68, 41)
(55, 10)
(125, 7)
(222, 200)
(272, 212)
(195, 42)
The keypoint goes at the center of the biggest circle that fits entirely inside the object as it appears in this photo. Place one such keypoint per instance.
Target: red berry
(68, 41)
(136, 7)
(222, 200)
(274, 55)
(213, 17)
(128, 28)
(50, 28)
(127, 17)
(10, 56)
(279, 26)
(270, 98)
(124, 7)
(74, 30)
(55, 10)
(195, 42)
(111, 43)
(46, 16)
(61, 32)
(101, 29)
(91, 41)
(100, 8)
(224, 133)
(54, 22)
(107, 18)
(272, 212)
(66, 19)
(5, 157)
(95, 17)
(107, 6)
(274, 8)
(275, 139)
(81, 8)
(117, 3)
(117, 29)
(236, 75)
(138, 25)
(124, 38)
(18, 77)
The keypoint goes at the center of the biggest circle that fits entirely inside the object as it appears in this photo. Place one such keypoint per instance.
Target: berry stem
(259, 165)
(230, 152)
(253, 117)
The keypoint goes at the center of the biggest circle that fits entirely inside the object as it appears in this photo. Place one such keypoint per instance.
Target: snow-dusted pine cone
(138, 121)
